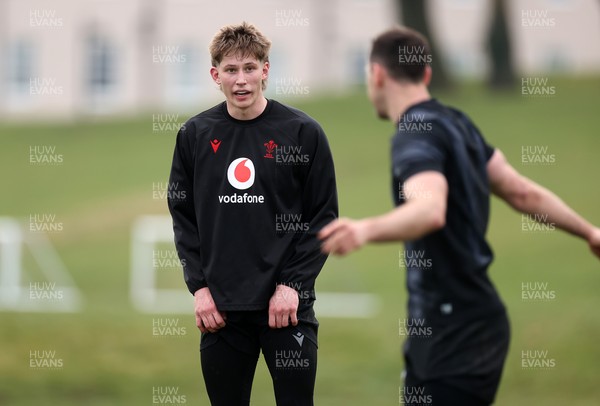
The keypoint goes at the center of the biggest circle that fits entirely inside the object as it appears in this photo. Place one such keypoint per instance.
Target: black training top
(447, 269)
(247, 198)
(447, 275)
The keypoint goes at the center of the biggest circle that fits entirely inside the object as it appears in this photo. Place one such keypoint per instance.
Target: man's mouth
(241, 93)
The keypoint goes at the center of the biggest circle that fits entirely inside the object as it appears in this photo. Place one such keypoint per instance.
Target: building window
(183, 77)
(101, 71)
(357, 61)
(20, 67)
(187, 69)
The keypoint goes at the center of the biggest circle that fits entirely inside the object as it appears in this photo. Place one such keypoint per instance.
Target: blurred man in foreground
(443, 174)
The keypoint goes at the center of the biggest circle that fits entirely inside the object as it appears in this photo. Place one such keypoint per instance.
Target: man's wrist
(369, 227)
(283, 286)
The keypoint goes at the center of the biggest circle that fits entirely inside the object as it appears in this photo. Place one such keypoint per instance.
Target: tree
(502, 73)
(414, 15)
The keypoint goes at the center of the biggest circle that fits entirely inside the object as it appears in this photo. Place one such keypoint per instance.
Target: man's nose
(241, 79)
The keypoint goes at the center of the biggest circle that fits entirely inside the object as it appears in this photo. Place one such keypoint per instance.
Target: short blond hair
(243, 40)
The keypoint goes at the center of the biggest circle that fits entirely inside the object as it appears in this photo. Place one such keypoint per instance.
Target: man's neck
(249, 113)
(402, 96)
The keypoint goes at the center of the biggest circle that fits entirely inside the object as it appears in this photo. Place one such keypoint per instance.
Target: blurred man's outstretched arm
(424, 212)
(528, 197)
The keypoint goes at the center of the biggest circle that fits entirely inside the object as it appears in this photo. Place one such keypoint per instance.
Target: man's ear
(214, 73)
(265, 70)
(378, 74)
(427, 75)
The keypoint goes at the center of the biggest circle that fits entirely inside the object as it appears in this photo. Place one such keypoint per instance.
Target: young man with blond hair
(444, 172)
(246, 229)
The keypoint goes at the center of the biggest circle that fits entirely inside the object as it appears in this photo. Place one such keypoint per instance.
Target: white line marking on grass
(346, 305)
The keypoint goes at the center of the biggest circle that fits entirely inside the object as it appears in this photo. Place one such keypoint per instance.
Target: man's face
(241, 79)
(375, 92)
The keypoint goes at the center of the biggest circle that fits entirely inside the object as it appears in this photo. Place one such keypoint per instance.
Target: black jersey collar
(247, 122)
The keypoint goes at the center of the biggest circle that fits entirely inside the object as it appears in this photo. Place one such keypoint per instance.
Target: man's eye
(249, 69)
(230, 70)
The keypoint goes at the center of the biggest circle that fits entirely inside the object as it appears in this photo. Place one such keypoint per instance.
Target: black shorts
(229, 358)
(242, 330)
(468, 357)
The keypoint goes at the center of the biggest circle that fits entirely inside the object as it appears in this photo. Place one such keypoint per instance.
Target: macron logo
(299, 337)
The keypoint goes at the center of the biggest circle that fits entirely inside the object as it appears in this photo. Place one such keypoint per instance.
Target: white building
(66, 58)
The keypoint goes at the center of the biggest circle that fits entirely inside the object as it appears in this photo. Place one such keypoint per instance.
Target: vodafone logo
(241, 173)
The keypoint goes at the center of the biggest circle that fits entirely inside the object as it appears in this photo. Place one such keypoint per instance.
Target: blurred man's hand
(341, 237)
(594, 241)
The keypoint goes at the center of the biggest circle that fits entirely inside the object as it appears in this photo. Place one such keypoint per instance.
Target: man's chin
(241, 104)
(383, 115)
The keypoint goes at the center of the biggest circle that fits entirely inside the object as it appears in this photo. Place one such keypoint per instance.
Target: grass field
(110, 354)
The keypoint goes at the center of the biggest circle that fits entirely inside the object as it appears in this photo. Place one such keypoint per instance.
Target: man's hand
(594, 241)
(343, 236)
(208, 317)
(283, 307)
